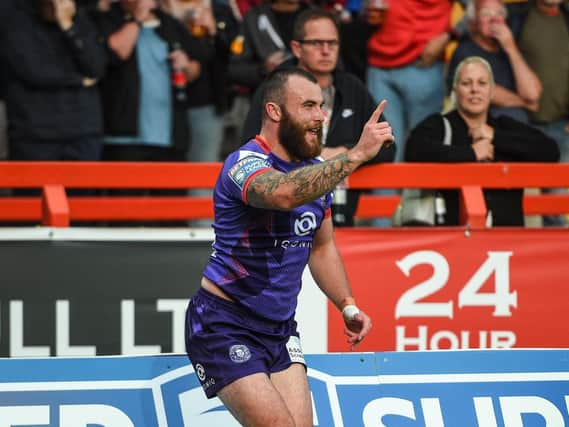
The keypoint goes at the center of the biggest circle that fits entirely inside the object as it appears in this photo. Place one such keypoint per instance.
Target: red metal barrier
(55, 208)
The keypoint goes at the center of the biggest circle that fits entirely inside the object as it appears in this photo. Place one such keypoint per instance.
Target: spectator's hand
(374, 135)
(357, 328)
(181, 61)
(203, 17)
(483, 150)
(329, 152)
(274, 60)
(104, 5)
(532, 106)
(194, 70)
(503, 34)
(64, 13)
(433, 50)
(482, 132)
(88, 82)
(143, 10)
(375, 11)
(567, 128)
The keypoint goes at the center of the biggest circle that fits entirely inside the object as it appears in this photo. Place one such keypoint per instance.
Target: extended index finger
(377, 113)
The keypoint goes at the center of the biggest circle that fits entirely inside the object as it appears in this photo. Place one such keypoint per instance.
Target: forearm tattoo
(306, 184)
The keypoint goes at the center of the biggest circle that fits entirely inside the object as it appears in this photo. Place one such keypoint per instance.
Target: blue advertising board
(501, 388)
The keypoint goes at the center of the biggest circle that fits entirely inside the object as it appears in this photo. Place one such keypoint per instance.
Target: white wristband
(350, 311)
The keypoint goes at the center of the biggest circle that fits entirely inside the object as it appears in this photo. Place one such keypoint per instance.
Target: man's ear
(273, 111)
(295, 48)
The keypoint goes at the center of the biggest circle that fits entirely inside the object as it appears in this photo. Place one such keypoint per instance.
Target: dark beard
(291, 137)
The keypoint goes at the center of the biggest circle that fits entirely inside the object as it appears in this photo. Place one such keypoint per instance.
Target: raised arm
(123, 41)
(284, 191)
(528, 86)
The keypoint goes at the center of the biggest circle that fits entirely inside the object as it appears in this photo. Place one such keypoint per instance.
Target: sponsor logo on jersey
(285, 244)
(295, 350)
(200, 371)
(306, 224)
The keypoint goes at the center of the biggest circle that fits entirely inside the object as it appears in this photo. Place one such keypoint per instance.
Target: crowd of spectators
(165, 80)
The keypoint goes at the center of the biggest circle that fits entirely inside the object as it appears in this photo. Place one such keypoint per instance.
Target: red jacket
(408, 26)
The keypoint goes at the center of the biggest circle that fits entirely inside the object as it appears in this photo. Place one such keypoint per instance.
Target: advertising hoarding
(507, 388)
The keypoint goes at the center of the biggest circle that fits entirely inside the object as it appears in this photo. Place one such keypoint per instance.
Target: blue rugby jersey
(259, 255)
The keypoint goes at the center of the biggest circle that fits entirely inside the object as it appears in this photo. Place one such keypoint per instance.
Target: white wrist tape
(350, 311)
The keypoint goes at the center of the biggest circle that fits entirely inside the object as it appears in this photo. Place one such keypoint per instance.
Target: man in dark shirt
(265, 39)
(52, 62)
(145, 112)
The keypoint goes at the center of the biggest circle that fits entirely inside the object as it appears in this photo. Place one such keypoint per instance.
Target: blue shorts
(226, 342)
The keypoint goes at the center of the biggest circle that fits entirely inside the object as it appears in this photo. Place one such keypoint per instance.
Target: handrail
(109, 174)
(453, 175)
(57, 208)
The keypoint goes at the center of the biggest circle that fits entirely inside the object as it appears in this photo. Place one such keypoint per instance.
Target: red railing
(56, 208)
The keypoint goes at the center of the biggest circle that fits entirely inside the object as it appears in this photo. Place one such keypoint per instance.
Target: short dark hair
(275, 84)
(298, 30)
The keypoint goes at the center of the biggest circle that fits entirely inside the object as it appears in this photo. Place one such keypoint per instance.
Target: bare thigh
(255, 402)
(292, 384)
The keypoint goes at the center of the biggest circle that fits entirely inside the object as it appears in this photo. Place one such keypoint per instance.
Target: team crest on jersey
(239, 353)
(244, 168)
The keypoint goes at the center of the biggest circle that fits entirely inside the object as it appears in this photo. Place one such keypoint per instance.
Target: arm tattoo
(306, 184)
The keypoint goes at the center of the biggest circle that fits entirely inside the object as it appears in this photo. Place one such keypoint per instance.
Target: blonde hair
(472, 60)
(467, 61)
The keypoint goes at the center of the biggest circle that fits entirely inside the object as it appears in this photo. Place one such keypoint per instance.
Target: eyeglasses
(320, 43)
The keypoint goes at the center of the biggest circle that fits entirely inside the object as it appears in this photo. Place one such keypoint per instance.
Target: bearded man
(272, 218)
